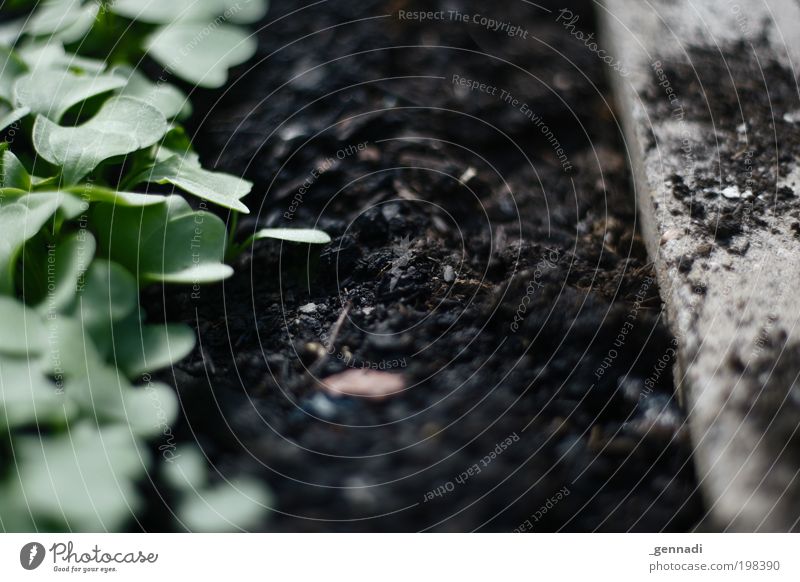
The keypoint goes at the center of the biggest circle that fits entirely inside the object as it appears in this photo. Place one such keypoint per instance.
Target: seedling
(80, 235)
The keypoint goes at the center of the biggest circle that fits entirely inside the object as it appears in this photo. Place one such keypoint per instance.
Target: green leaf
(81, 25)
(105, 394)
(6, 193)
(167, 243)
(59, 16)
(106, 306)
(108, 294)
(70, 206)
(51, 55)
(160, 12)
(11, 116)
(191, 250)
(167, 98)
(251, 11)
(67, 203)
(66, 268)
(19, 222)
(185, 172)
(11, 68)
(27, 396)
(200, 53)
(14, 516)
(52, 93)
(22, 333)
(177, 141)
(92, 193)
(154, 11)
(83, 479)
(236, 505)
(71, 351)
(187, 470)
(151, 410)
(121, 231)
(10, 31)
(122, 126)
(99, 390)
(140, 348)
(299, 235)
(12, 173)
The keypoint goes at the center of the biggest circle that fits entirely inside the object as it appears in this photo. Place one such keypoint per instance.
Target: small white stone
(468, 175)
(322, 406)
(289, 132)
(792, 117)
(731, 192)
(670, 235)
(308, 308)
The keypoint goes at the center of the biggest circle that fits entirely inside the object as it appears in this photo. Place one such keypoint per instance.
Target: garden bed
(484, 250)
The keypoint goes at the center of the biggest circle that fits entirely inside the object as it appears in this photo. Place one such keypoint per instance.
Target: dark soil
(455, 216)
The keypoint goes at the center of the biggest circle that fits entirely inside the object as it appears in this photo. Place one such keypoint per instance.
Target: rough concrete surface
(711, 115)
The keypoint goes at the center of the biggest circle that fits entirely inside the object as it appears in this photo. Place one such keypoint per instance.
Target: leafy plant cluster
(87, 133)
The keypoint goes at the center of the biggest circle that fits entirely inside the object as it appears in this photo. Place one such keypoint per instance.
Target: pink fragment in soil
(366, 383)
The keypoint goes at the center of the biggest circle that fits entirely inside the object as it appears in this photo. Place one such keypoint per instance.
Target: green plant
(84, 129)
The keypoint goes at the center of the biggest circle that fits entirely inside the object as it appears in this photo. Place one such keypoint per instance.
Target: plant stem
(232, 250)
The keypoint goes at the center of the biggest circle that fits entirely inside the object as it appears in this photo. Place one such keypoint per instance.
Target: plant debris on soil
(484, 252)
